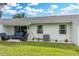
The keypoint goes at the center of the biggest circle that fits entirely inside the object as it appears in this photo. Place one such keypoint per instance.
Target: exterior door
(20, 29)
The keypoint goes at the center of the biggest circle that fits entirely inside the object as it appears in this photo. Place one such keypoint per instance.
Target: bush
(32, 38)
(66, 40)
(56, 40)
(38, 39)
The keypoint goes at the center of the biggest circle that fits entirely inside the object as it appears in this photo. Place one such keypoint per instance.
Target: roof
(15, 22)
(37, 20)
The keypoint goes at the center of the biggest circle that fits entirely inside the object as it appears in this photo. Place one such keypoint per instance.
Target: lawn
(37, 49)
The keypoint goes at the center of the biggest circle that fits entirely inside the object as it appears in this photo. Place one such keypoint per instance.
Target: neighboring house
(57, 27)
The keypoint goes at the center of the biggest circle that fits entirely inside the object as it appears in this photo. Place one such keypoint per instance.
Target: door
(20, 29)
(24, 28)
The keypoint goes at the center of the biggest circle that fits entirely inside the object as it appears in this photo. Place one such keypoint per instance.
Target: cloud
(10, 11)
(6, 7)
(32, 4)
(33, 11)
(21, 11)
(54, 6)
(5, 17)
(51, 9)
(19, 7)
(69, 9)
(12, 4)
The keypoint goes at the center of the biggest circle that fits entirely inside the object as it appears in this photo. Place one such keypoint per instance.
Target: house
(58, 28)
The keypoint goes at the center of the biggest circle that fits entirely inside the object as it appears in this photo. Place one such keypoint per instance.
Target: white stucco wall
(52, 30)
(7, 29)
(76, 34)
(2, 29)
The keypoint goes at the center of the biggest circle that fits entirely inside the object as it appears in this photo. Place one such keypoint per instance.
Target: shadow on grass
(41, 44)
(64, 46)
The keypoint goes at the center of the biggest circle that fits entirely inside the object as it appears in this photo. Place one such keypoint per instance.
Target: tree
(20, 15)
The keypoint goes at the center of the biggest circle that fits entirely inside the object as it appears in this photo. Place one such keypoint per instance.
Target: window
(40, 29)
(62, 29)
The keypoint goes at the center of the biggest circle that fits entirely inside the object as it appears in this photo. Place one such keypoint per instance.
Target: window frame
(39, 30)
(63, 30)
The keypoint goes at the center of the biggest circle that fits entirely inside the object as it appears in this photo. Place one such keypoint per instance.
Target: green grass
(37, 49)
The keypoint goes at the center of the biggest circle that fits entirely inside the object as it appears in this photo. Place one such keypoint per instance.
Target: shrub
(56, 40)
(38, 39)
(66, 40)
(33, 38)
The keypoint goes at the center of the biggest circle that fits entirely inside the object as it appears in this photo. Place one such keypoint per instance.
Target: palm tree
(20, 15)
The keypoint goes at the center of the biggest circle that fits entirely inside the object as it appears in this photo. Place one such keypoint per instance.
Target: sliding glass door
(20, 28)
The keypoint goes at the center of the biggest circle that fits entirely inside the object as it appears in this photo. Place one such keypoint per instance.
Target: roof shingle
(36, 20)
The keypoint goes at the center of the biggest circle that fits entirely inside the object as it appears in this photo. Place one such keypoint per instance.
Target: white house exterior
(58, 28)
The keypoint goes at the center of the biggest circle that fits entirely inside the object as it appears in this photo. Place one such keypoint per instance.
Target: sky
(40, 9)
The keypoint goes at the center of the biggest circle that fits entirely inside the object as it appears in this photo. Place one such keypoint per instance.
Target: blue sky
(40, 9)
